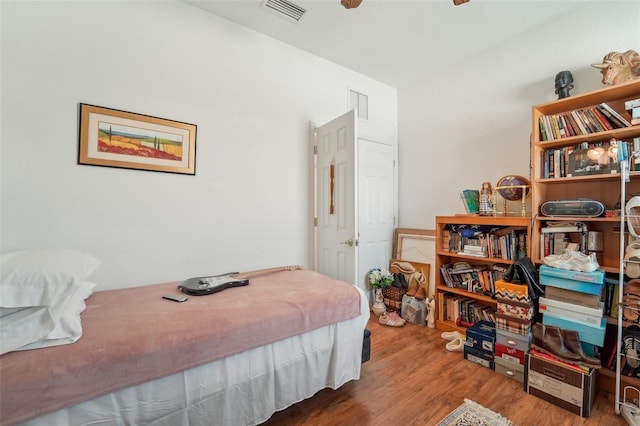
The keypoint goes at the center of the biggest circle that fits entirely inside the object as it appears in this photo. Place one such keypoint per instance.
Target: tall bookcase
(604, 187)
(445, 257)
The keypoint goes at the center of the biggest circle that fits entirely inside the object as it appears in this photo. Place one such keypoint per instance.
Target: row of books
(598, 118)
(505, 243)
(633, 107)
(479, 279)
(586, 159)
(467, 310)
(558, 242)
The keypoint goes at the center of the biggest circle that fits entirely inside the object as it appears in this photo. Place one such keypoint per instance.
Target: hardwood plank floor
(412, 379)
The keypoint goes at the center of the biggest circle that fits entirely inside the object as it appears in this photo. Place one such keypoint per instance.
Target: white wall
(251, 97)
(471, 123)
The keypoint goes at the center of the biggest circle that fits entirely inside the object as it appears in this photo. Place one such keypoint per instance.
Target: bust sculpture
(564, 83)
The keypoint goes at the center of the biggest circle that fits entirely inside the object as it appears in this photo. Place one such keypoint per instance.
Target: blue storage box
(585, 282)
(588, 333)
(481, 336)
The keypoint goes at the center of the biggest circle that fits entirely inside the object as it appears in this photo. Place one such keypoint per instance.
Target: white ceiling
(395, 42)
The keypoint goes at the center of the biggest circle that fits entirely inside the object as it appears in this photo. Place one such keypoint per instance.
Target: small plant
(380, 278)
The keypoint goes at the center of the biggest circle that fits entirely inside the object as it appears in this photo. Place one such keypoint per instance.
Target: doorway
(354, 201)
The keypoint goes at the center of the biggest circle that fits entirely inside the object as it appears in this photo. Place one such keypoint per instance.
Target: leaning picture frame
(416, 245)
(114, 138)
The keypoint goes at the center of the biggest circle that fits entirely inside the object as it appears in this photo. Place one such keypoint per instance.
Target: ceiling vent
(286, 9)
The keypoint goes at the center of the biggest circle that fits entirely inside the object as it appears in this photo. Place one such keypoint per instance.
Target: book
(578, 227)
(580, 124)
(601, 118)
(613, 115)
(632, 103)
(593, 120)
(471, 198)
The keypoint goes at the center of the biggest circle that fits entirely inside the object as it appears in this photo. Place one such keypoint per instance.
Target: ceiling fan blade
(350, 4)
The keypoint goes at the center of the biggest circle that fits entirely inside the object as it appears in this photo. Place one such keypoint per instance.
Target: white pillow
(68, 326)
(40, 277)
(23, 327)
(42, 326)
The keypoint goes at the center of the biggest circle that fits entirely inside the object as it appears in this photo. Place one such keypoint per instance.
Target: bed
(230, 358)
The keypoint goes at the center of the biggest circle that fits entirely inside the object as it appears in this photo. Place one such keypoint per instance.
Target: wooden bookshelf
(605, 188)
(444, 256)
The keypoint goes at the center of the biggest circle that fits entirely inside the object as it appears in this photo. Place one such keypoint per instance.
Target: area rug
(473, 414)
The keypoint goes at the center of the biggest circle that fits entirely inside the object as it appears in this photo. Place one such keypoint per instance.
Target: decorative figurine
(618, 67)
(564, 83)
(486, 196)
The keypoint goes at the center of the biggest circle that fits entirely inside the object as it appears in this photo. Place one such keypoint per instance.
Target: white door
(376, 205)
(363, 198)
(336, 198)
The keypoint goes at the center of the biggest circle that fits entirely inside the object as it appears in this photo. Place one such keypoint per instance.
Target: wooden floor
(412, 379)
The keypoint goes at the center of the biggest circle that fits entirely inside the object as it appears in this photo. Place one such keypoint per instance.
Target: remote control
(175, 297)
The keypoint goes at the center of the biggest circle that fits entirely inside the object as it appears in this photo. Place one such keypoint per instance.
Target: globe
(508, 187)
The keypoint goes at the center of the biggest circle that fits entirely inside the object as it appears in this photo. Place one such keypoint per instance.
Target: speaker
(579, 207)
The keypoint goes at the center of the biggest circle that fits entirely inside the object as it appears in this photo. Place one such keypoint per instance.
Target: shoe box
(510, 369)
(479, 344)
(510, 354)
(572, 296)
(481, 336)
(514, 325)
(483, 358)
(578, 313)
(516, 309)
(565, 386)
(584, 282)
(591, 334)
(512, 347)
(521, 342)
(512, 292)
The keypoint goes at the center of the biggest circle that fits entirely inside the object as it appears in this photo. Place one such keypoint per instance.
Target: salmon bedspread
(132, 335)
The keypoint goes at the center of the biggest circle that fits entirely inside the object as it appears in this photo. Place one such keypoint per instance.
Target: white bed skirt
(244, 389)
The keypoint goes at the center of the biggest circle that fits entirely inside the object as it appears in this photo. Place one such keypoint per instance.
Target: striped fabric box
(514, 325)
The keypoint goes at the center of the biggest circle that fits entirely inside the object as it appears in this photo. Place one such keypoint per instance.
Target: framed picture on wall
(115, 138)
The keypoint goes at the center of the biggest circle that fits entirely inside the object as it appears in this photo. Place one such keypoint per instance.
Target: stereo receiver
(582, 207)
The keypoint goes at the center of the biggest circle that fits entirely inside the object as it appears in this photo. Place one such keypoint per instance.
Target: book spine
(543, 130)
(594, 121)
(587, 121)
(579, 122)
(574, 124)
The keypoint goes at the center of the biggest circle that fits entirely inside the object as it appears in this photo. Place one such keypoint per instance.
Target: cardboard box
(480, 357)
(514, 340)
(572, 296)
(481, 336)
(585, 282)
(589, 316)
(509, 369)
(565, 387)
(588, 333)
(510, 291)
